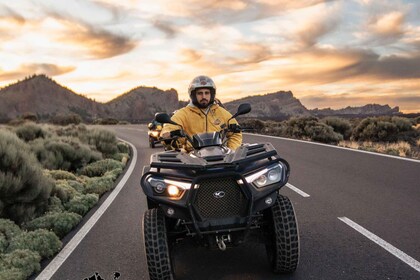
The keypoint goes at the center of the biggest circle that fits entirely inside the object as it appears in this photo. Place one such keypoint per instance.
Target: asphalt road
(358, 215)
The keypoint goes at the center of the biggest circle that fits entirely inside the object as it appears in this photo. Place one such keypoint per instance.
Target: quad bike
(154, 134)
(217, 197)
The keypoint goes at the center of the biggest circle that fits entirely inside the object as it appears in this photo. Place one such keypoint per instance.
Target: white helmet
(201, 82)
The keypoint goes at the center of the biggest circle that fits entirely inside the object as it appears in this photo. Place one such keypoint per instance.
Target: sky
(330, 54)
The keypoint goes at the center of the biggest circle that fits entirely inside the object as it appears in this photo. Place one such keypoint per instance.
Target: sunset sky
(328, 53)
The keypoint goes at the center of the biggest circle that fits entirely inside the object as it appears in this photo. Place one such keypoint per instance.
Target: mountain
(142, 103)
(44, 97)
(279, 105)
(41, 95)
(367, 110)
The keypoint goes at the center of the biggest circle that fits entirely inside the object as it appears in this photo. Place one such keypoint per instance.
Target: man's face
(203, 96)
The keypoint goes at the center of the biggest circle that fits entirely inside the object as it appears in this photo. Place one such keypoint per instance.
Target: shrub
(24, 190)
(99, 168)
(113, 174)
(375, 129)
(59, 223)
(11, 273)
(81, 204)
(123, 148)
(63, 191)
(339, 125)
(99, 185)
(104, 141)
(66, 119)
(311, 128)
(403, 124)
(254, 124)
(55, 205)
(29, 132)
(65, 153)
(8, 230)
(19, 263)
(62, 175)
(79, 187)
(42, 241)
(121, 157)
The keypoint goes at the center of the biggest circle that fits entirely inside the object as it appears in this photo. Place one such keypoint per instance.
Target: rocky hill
(367, 110)
(43, 96)
(142, 103)
(279, 105)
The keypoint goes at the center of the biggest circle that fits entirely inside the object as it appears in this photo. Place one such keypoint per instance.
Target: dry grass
(402, 149)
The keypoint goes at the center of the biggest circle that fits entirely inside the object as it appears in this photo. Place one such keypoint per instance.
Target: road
(358, 215)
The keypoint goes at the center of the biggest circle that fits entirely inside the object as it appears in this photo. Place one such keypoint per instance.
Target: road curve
(359, 219)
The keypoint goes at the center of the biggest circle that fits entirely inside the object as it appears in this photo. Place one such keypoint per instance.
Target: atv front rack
(242, 155)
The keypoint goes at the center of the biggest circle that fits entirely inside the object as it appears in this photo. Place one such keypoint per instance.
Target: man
(203, 114)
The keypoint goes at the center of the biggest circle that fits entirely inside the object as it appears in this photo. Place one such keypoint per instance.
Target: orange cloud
(40, 68)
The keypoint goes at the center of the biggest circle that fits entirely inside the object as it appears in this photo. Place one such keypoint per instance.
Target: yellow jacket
(194, 120)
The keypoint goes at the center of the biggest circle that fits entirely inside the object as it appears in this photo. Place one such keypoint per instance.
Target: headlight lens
(172, 189)
(267, 176)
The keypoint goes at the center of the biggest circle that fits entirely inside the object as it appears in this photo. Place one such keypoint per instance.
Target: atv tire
(282, 236)
(156, 245)
(151, 142)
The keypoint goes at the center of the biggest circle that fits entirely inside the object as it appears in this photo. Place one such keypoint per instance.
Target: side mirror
(243, 109)
(150, 125)
(164, 118)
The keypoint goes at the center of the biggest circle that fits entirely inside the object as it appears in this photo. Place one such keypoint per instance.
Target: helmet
(201, 82)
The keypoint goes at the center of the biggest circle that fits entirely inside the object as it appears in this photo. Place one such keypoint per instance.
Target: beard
(203, 104)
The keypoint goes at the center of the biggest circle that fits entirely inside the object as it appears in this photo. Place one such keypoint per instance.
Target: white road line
(395, 251)
(293, 188)
(55, 264)
(332, 146)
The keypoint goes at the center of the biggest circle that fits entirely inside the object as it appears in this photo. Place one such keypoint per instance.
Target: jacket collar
(194, 108)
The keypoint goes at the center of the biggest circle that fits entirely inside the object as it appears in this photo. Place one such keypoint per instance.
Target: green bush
(29, 132)
(123, 148)
(403, 124)
(99, 168)
(19, 263)
(24, 190)
(42, 241)
(81, 204)
(79, 187)
(113, 174)
(59, 223)
(63, 191)
(11, 273)
(339, 125)
(254, 124)
(62, 175)
(104, 141)
(55, 205)
(375, 129)
(66, 119)
(99, 185)
(311, 128)
(65, 153)
(121, 157)
(8, 230)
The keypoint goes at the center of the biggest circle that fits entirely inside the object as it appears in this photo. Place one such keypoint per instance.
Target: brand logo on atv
(219, 194)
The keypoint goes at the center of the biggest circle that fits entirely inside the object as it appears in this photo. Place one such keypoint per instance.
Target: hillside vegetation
(50, 177)
(391, 135)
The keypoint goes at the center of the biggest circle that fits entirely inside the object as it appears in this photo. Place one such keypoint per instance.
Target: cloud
(166, 27)
(10, 14)
(35, 68)
(98, 42)
(91, 27)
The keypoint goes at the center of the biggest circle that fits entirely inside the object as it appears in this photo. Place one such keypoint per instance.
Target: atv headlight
(164, 187)
(155, 133)
(267, 176)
